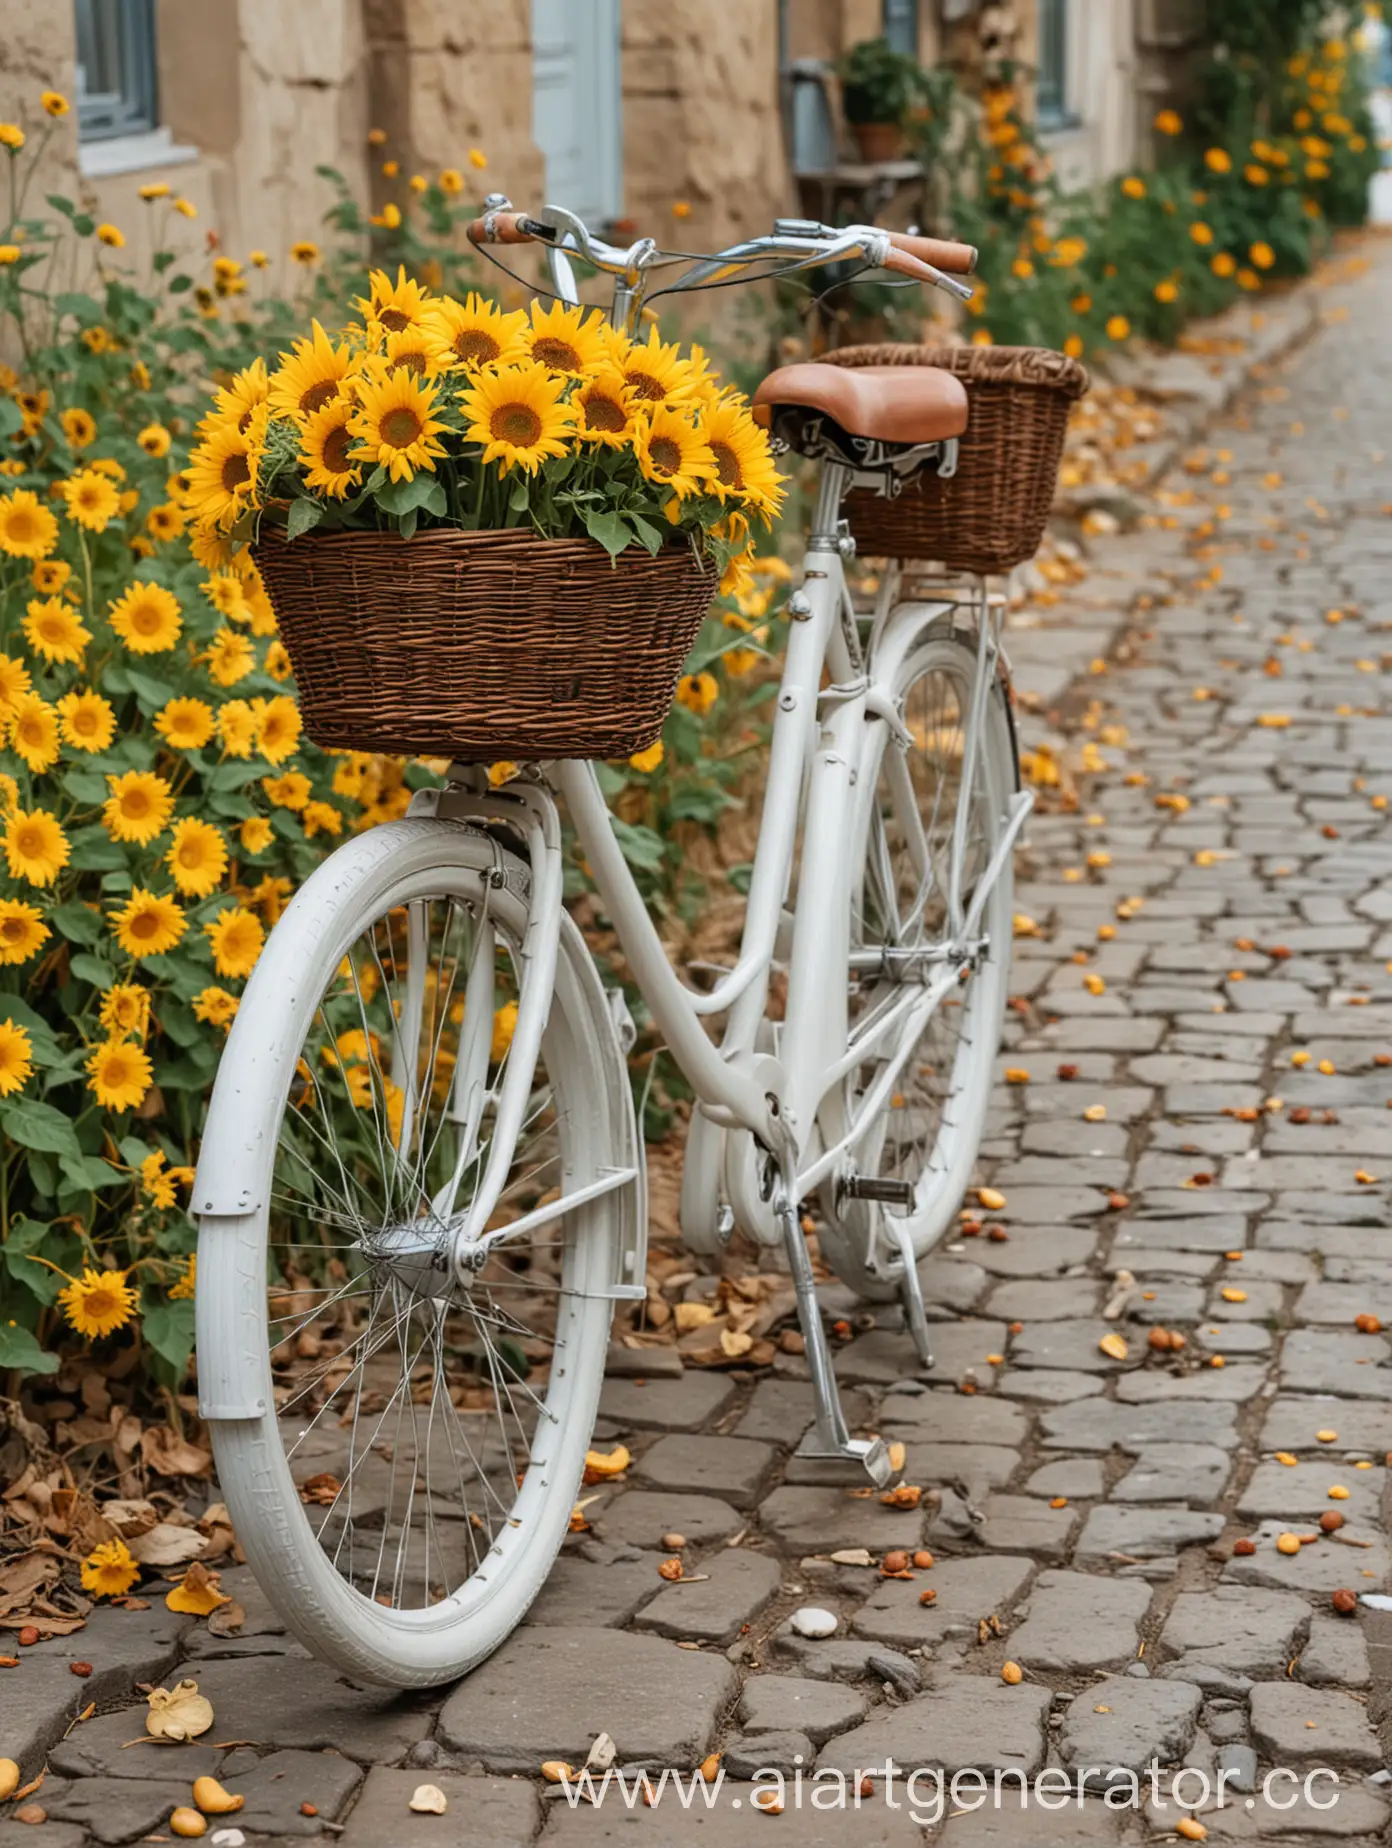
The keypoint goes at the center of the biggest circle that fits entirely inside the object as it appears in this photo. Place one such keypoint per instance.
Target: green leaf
(236, 776)
(84, 224)
(610, 529)
(148, 689)
(38, 1126)
(180, 285)
(77, 923)
(168, 1329)
(642, 848)
(94, 851)
(161, 261)
(406, 525)
(90, 1172)
(85, 786)
(11, 417)
(93, 969)
(60, 204)
(23, 1241)
(303, 514)
(422, 492)
(649, 535)
(19, 1349)
(519, 496)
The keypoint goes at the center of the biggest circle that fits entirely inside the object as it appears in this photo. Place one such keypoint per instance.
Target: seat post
(832, 484)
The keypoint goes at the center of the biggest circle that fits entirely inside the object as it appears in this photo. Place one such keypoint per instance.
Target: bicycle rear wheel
(401, 1452)
(927, 1135)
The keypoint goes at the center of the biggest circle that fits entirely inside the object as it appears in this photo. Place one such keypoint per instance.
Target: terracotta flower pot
(879, 140)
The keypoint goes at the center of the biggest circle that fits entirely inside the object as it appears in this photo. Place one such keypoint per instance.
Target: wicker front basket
(990, 515)
(483, 645)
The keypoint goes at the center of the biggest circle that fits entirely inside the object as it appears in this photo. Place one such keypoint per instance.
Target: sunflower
(673, 452)
(147, 618)
(98, 1303)
(239, 400)
(474, 333)
(14, 684)
(79, 426)
(564, 339)
(90, 499)
(394, 425)
(230, 657)
(53, 630)
(255, 835)
(87, 720)
(164, 522)
(277, 663)
(36, 848)
(743, 463)
(155, 440)
(236, 937)
(16, 1062)
(148, 924)
(183, 1290)
(236, 724)
(698, 693)
(414, 351)
(156, 1183)
(278, 732)
(27, 529)
(290, 791)
(125, 1009)
(392, 307)
(519, 415)
(185, 724)
(34, 733)
(109, 1570)
(326, 450)
(224, 591)
(119, 1074)
(50, 575)
(657, 373)
(215, 1006)
(305, 250)
(223, 469)
(22, 930)
(197, 857)
(605, 408)
(321, 818)
(138, 807)
(309, 376)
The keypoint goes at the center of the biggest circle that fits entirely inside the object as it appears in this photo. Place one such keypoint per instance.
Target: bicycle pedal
(888, 1193)
(862, 1456)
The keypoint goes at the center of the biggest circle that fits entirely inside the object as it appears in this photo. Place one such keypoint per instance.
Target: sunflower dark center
(335, 451)
(401, 427)
(145, 619)
(473, 343)
(236, 473)
(648, 388)
(728, 466)
(318, 396)
(144, 924)
(559, 354)
(604, 414)
(517, 424)
(410, 362)
(394, 320)
(21, 525)
(665, 454)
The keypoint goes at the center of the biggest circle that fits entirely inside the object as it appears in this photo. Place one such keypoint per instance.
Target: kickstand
(912, 1293)
(829, 1437)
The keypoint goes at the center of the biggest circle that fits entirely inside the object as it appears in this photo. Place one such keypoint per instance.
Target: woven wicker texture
(989, 516)
(480, 646)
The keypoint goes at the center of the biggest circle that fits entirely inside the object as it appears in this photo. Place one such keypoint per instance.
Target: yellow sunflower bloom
(237, 402)
(1118, 327)
(290, 791)
(279, 728)
(236, 936)
(391, 307)
(125, 1009)
(305, 250)
(138, 807)
(413, 350)
(1218, 160)
(11, 136)
(90, 499)
(655, 371)
(223, 468)
(474, 333)
(14, 684)
(34, 733)
(1262, 255)
(156, 1183)
(394, 425)
(326, 450)
(53, 629)
(237, 722)
(673, 452)
(320, 818)
(1224, 264)
(745, 468)
(565, 339)
(183, 1290)
(197, 857)
(98, 1303)
(215, 1007)
(185, 724)
(119, 1074)
(22, 931)
(309, 376)
(698, 693)
(451, 180)
(27, 528)
(1169, 123)
(154, 439)
(277, 662)
(230, 657)
(147, 618)
(646, 761)
(54, 103)
(50, 575)
(255, 835)
(36, 848)
(16, 1062)
(518, 414)
(604, 407)
(148, 924)
(88, 721)
(224, 591)
(79, 426)
(109, 1570)
(164, 522)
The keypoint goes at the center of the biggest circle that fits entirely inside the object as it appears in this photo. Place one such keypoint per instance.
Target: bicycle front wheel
(926, 1136)
(400, 1452)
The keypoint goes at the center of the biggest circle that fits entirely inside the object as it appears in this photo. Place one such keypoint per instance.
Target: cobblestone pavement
(1214, 923)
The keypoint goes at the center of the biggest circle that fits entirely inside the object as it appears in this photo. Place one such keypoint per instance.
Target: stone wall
(36, 54)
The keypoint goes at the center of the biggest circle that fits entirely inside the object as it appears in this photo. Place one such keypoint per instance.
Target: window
(1052, 98)
(577, 119)
(116, 90)
(901, 26)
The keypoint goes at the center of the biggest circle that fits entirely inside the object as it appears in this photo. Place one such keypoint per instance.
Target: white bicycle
(403, 1318)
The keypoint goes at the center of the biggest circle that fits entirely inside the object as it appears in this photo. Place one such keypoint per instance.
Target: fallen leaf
(428, 1800)
(168, 1454)
(197, 1594)
(600, 1464)
(167, 1545)
(1113, 1346)
(180, 1712)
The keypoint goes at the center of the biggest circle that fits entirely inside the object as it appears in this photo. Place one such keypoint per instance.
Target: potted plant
(879, 87)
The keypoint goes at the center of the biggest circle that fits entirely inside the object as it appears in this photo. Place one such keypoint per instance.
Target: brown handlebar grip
(953, 259)
(499, 228)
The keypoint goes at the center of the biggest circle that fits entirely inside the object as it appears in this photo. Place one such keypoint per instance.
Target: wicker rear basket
(481, 646)
(990, 515)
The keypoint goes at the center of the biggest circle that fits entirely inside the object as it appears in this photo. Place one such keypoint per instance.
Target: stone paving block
(964, 1721)
(113, 1809)
(1021, 1524)
(779, 1411)
(1323, 1567)
(1069, 1344)
(954, 1418)
(1335, 1655)
(275, 1787)
(729, 1824)
(796, 1703)
(102, 1747)
(1294, 1423)
(579, 1592)
(484, 1812)
(124, 1647)
(809, 1520)
(1149, 1386)
(843, 1658)
(1070, 1825)
(1238, 1627)
(640, 1517)
(1350, 1365)
(547, 1693)
(1075, 1623)
(1194, 1473)
(1102, 1424)
(684, 1404)
(1037, 1251)
(55, 1835)
(968, 1590)
(883, 1355)
(734, 1469)
(282, 1702)
(1303, 1491)
(1299, 1726)
(1124, 1724)
(1078, 1478)
(1360, 1815)
(1051, 1387)
(727, 1591)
